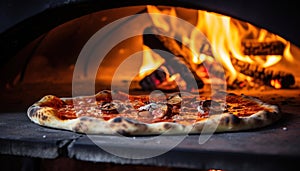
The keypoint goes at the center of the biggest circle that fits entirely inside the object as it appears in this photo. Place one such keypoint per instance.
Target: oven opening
(190, 50)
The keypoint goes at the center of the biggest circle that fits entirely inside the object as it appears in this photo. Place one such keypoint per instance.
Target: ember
(275, 83)
(267, 76)
(174, 64)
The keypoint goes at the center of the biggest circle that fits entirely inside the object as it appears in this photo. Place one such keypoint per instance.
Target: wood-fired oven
(256, 44)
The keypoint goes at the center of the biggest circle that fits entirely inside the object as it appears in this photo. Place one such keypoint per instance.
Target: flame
(276, 84)
(198, 59)
(160, 21)
(169, 25)
(210, 24)
(271, 60)
(287, 53)
(150, 62)
(225, 35)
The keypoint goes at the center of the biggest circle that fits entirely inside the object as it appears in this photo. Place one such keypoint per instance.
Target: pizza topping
(181, 109)
(157, 97)
(104, 96)
(175, 100)
(145, 114)
(242, 106)
(175, 109)
(148, 107)
(137, 104)
(200, 110)
(211, 107)
(66, 113)
(51, 101)
(158, 110)
(210, 104)
(110, 108)
(194, 104)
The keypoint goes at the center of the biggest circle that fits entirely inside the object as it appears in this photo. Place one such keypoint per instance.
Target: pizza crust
(225, 122)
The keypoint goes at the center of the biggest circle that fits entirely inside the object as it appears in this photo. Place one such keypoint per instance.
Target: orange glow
(172, 82)
(150, 62)
(216, 28)
(287, 53)
(160, 21)
(276, 84)
(198, 59)
(271, 60)
(226, 36)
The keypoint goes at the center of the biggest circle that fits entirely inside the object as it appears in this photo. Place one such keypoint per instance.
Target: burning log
(151, 81)
(253, 47)
(267, 76)
(174, 64)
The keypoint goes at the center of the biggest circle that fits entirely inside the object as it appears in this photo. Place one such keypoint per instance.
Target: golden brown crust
(45, 113)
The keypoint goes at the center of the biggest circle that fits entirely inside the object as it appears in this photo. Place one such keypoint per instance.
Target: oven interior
(257, 61)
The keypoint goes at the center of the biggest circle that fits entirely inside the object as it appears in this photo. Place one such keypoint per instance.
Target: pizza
(117, 112)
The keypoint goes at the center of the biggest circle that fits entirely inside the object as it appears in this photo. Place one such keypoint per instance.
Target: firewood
(253, 47)
(177, 63)
(153, 80)
(265, 75)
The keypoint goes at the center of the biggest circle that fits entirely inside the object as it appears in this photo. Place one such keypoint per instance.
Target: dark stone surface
(19, 136)
(274, 147)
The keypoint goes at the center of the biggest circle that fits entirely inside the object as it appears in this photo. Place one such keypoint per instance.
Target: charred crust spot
(234, 119)
(226, 120)
(167, 126)
(39, 115)
(267, 115)
(129, 121)
(259, 116)
(80, 127)
(123, 132)
(199, 127)
(141, 127)
(44, 117)
(84, 119)
(124, 126)
(33, 111)
(258, 121)
(77, 127)
(117, 120)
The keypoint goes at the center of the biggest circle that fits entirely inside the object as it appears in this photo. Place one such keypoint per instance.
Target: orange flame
(225, 34)
(276, 84)
(151, 62)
